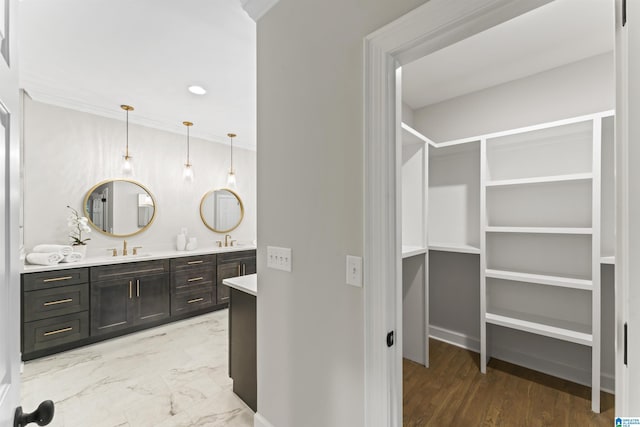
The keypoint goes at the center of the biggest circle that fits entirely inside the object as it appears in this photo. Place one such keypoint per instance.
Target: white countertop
(248, 283)
(109, 260)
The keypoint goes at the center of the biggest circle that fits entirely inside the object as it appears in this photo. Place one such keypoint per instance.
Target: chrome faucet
(124, 248)
(226, 240)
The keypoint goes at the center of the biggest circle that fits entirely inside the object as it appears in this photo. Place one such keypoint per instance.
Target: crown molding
(257, 8)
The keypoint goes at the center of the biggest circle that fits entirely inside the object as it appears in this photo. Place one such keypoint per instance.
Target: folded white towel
(43, 258)
(72, 257)
(62, 249)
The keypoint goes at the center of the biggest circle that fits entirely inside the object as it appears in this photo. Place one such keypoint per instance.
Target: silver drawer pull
(195, 262)
(57, 279)
(60, 301)
(195, 279)
(191, 301)
(59, 331)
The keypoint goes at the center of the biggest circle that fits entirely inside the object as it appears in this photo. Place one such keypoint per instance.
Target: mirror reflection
(120, 207)
(221, 210)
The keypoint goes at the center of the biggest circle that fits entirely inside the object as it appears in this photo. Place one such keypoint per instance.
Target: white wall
(66, 152)
(583, 87)
(576, 89)
(407, 114)
(310, 198)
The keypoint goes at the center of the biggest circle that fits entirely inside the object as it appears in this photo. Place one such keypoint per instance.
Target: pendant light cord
(188, 163)
(127, 149)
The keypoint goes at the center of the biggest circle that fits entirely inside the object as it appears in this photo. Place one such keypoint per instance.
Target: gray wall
(413, 315)
(310, 199)
(580, 88)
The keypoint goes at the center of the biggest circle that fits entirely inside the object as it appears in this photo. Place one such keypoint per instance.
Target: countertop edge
(247, 284)
(107, 260)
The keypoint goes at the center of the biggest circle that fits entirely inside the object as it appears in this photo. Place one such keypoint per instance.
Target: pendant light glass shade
(231, 177)
(187, 173)
(127, 165)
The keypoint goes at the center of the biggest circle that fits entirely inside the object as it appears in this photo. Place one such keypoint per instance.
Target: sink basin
(141, 255)
(126, 257)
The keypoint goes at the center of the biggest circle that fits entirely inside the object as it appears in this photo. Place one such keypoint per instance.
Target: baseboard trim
(454, 338)
(260, 421)
(549, 367)
(553, 368)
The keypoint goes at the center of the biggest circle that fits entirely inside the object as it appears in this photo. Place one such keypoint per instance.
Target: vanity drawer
(128, 270)
(191, 301)
(190, 262)
(52, 279)
(236, 256)
(47, 333)
(45, 303)
(185, 281)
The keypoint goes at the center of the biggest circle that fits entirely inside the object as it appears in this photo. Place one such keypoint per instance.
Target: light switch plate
(279, 258)
(354, 270)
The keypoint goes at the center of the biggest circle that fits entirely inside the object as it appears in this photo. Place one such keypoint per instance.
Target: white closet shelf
(540, 230)
(409, 251)
(608, 260)
(563, 282)
(554, 328)
(540, 180)
(412, 136)
(454, 247)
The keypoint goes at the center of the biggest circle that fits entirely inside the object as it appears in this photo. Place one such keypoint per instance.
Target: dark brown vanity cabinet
(233, 264)
(55, 308)
(124, 296)
(193, 283)
(63, 309)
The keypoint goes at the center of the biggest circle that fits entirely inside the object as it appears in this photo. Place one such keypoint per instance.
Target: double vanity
(71, 305)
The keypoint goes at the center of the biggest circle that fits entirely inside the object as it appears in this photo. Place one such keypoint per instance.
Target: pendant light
(187, 174)
(127, 166)
(231, 178)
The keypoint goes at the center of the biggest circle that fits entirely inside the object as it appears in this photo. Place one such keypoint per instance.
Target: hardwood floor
(453, 392)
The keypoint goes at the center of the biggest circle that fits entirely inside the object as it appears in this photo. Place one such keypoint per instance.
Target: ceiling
(94, 55)
(557, 34)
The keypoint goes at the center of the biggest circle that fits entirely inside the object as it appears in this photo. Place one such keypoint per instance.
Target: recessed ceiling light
(197, 90)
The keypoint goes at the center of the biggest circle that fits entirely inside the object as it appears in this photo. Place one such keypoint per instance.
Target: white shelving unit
(415, 266)
(536, 205)
(540, 249)
(457, 248)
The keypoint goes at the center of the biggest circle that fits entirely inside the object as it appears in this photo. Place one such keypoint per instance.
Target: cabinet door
(249, 266)
(111, 305)
(151, 298)
(226, 270)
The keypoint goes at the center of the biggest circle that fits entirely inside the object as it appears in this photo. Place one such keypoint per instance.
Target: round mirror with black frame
(120, 207)
(221, 210)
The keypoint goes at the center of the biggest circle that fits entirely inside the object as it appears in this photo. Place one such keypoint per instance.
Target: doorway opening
(476, 217)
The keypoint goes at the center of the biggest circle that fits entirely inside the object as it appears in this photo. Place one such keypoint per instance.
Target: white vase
(181, 242)
(80, 249)
(193, 243)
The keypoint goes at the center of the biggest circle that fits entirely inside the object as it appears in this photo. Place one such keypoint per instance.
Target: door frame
(627, 207)
(10, 102)
(432, 26)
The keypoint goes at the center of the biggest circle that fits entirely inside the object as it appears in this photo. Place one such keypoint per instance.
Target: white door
(628, 208)
(9, 211)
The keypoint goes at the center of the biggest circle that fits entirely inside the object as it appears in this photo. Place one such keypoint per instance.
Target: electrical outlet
(354, 270)
(279, 258)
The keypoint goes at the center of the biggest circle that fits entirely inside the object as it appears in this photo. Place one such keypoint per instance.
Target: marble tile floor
(174, 375)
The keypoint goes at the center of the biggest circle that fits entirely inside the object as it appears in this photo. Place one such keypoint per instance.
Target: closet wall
(580, 88)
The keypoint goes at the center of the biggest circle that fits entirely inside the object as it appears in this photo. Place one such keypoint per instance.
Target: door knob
(41, 416)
